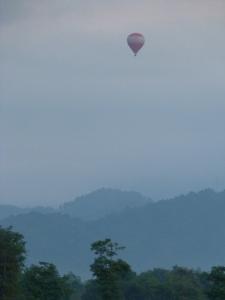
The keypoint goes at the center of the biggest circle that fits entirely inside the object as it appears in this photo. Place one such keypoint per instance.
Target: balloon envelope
(135, 41)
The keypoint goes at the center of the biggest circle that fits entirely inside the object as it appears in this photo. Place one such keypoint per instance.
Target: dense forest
(112, 277)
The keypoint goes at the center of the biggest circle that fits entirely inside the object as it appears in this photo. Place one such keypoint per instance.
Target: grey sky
(79, 112)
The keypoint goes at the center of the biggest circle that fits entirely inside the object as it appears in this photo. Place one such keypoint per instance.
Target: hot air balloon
(135, 41)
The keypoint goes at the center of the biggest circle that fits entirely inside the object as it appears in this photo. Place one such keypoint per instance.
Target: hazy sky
(79, 112)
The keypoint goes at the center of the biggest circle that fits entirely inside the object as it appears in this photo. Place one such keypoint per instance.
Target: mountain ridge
(100, 203)
(187, 230)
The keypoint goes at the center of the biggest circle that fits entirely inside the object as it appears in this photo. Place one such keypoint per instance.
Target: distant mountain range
(11, 210)
(102, 203)
(187, 230)
(93, 206)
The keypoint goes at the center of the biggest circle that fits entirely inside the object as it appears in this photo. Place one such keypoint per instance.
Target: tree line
(113, 278)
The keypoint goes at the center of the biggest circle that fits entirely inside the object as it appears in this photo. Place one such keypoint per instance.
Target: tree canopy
(113, 278)
(12, 256)
(109, 271)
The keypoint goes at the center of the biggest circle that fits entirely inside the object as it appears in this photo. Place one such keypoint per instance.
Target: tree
(72, 284)
(108, 271)
(43, 282)
(12, 256)
(185, 284)
(91, 291)
(217, 283)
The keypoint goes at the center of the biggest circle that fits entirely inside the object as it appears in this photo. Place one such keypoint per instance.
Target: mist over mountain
(11, 210)
(187, 230)
(103, 202)
(92, 206)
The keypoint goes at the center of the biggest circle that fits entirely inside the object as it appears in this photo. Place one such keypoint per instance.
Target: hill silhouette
(102, 202)
(92, 206)
(12, 210)
(187, 230)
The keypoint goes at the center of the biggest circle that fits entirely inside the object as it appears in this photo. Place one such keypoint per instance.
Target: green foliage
(73, 286)
(217, 283)
(43, 282)
(108, 272)
(185, 284)
(106, 248)
(112, 278)
(12, 256)
(177, 284)
(91, 291)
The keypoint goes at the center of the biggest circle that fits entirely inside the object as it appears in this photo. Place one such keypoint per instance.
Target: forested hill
(92, 206)
(102, 203)
(187, 230)
(12, 210)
